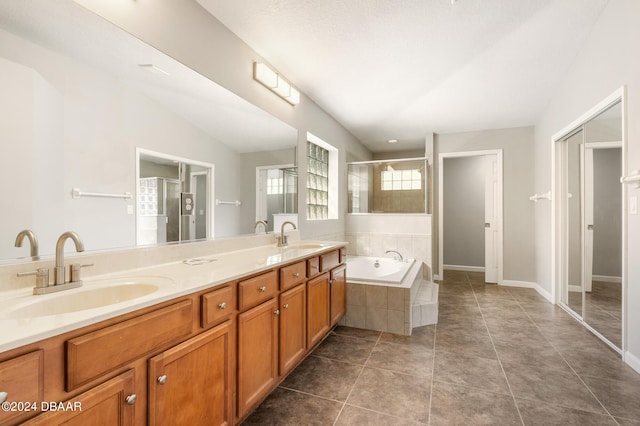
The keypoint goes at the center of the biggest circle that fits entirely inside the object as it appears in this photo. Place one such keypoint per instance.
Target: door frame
(618, 95)
(499, 205)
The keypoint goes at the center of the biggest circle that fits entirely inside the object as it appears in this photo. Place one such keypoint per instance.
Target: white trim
(607, 279)
(632, 361)
(575, 288)
(463, 268)
(500, 195)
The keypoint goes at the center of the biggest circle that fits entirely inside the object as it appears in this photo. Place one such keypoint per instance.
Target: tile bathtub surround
(498, 356)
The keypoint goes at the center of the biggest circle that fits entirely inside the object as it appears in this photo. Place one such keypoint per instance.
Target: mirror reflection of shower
(174, 198)
(277, 196)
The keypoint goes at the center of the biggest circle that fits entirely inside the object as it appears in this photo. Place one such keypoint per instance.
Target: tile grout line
(357, 378)
(565, 360)
(497, 356)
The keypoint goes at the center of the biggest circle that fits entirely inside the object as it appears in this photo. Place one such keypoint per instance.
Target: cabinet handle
(162, 379)
(276, 312)
(3, 397)
(330, 282)
(263, 289)
(297, 275)
(131, 399)
(286, 306)
(222, 305)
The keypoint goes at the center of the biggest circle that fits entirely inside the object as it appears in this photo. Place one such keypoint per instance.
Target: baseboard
(606, 279)
(528, 284)
(632, 360)
(575, 288)
(463, 268)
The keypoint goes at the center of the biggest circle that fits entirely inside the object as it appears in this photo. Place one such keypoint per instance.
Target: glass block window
(317, 182)
(401, 180)
(275, 182)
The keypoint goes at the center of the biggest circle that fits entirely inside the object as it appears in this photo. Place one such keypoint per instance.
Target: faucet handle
(75, 271)
(42, 276)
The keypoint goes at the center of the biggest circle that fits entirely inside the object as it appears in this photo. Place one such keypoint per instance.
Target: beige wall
(518, 214)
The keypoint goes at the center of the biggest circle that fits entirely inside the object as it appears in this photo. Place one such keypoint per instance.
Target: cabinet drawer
(22, 380)
(96, 353)
(329, 260)
(292, 275)
(256, 290)
(313, 266)
(217, 306)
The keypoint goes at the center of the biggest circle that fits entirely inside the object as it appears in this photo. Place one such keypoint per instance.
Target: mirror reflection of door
(276, 196)
(164, 184)
(591, 223)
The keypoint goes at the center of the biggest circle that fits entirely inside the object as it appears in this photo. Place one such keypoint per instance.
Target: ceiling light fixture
(276, 83)
(153, 69)
(392, 141)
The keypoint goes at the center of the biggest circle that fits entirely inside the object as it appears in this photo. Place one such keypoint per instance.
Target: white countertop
(175, 279)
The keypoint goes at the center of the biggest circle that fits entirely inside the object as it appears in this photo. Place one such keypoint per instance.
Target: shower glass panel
(388, 186)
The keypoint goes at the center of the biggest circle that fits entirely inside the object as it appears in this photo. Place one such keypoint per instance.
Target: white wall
(518, 214)
(607, 61)
(189, 34)
(463, 211)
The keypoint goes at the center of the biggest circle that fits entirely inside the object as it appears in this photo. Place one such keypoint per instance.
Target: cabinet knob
(276, 312)
(263, 289)
(3, 397)
(162, 379)
(297, 275)
(131, 399)
(222, 305)
(286, 306)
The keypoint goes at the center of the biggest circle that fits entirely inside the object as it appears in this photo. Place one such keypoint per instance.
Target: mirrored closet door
(590, 222)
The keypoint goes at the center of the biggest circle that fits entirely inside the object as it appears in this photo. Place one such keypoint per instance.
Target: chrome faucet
(59, 269)
(282, 239)
(399, 257)
(33, 241)
(263, 223)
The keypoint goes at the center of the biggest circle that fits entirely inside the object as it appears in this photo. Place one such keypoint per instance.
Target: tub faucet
(263, 223)
(59, 269)
(33, 241)
(282, 239)
(399, 257)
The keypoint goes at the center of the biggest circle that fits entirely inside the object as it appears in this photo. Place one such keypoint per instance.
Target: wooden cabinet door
(21, 380)
(111, 403)
(257, 354)
(293, 329)
(338, 294)
(317, 309)
(191, 383)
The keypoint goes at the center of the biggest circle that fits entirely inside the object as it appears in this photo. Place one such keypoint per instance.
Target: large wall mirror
(79, 96)
(589, 193)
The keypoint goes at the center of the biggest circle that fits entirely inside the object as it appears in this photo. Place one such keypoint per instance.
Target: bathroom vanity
(200, 353)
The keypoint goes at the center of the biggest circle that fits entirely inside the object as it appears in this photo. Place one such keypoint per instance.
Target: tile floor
(498, 356)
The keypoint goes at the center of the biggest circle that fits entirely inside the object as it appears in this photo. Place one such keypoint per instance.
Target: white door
(491, 210)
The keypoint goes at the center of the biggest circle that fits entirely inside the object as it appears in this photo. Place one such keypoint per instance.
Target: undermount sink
(95, 295)
(308, 246)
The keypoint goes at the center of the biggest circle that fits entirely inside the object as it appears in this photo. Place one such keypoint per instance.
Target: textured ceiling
(403, 68)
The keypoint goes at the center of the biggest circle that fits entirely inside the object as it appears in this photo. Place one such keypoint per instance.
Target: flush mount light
(153, 69)
(392, 141)
(276, 83)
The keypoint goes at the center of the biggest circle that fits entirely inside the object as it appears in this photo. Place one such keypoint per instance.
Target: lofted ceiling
(399, 69)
